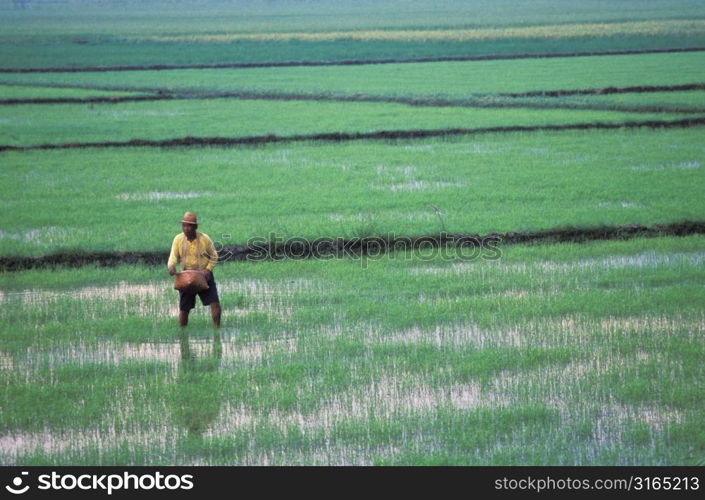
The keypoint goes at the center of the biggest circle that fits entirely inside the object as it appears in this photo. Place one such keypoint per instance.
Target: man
(195, 250)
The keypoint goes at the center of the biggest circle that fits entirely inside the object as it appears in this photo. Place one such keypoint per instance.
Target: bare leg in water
(215, 314)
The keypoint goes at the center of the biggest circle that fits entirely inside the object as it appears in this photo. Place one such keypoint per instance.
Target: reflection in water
(196, 399)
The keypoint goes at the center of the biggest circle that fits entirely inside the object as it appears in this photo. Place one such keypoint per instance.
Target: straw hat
(190, 218)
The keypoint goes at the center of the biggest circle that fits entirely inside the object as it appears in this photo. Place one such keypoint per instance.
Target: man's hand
(172, 270)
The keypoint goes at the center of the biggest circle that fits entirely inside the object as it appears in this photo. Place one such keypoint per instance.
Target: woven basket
(190, 281)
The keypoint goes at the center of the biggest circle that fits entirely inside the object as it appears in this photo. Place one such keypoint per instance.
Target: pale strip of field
(46, 236)
(158, 299)
(161, 195)
(567, 331)
(642, 28)
(648, 259)
(170, 353)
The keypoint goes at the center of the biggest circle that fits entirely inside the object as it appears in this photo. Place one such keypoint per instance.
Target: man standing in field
(195, 250)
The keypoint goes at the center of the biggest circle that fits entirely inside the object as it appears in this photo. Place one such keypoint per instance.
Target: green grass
(60, 123)
(70, 54)
(553, 354)
(667, 102)
(29, 92)
(440, 79)
(686, 99)
(484, 183)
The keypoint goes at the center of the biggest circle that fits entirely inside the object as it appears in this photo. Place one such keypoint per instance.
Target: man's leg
(186, 303)
(215, 313)
(210, 297)
(183, 318)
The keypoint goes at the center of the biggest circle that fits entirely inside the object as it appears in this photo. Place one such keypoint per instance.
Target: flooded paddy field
(580, 354)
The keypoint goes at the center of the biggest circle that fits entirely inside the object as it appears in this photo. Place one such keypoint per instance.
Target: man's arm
(173, 256)
(212, 254)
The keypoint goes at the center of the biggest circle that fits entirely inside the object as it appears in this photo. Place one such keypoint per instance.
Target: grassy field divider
(327, 247)
(343, 62)
(191, 141)
(472, 101)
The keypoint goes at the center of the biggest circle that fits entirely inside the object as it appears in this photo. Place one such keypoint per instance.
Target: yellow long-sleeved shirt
(187, 252)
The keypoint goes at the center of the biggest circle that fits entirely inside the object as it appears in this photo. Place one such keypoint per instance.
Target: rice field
(66, 123)
(484, 183)
(454, 79)
(56, 34)
(570, 353)
(576, 354)
(615, 29)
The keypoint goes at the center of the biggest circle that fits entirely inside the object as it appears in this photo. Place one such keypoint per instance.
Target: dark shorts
(187, 301)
